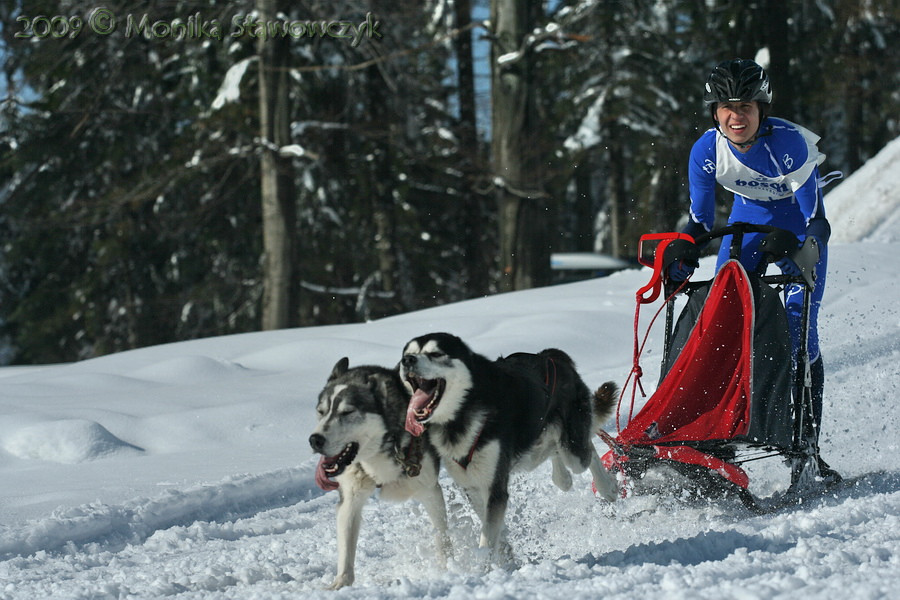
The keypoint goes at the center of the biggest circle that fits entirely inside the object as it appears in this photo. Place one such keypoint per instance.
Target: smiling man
(771, 167)
(739, 122)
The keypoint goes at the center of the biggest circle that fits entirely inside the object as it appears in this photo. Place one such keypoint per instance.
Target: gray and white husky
(360, 435)
(488, 418)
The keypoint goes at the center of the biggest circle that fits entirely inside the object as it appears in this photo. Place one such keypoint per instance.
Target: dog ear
(378, 385)
(378, 388)
(339, 368)
(387, 393)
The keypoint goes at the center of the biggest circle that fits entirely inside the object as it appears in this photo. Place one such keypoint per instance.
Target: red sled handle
(650, 292)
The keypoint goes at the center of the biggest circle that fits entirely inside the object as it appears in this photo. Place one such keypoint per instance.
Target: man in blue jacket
(771, 166)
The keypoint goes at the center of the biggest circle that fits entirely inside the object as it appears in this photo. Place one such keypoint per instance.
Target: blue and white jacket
(776, 182)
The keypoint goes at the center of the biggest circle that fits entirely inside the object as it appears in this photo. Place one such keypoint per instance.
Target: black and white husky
(360, 435)
(488, 418)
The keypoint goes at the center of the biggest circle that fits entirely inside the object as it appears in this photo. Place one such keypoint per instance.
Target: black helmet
(737, 80)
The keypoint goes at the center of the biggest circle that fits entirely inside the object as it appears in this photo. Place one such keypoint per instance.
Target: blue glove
(788, 267)
(680, 270)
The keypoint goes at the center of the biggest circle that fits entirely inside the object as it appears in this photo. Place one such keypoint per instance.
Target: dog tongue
(418, 401)
(322, 480)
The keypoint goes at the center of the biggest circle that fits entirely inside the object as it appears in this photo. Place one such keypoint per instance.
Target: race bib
(738, 178)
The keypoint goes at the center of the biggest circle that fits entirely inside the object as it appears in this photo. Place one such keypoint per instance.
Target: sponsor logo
(762, 184)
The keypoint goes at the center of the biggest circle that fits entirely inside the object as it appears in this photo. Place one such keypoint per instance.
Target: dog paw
(444, 550)
(482, 560)
(608, 490)
(562, 478)
(342, 580)
(505, 558)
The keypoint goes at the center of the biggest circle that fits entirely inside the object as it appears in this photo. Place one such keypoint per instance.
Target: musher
(771, 166)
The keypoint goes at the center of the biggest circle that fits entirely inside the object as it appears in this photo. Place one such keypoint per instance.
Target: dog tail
(605, 399)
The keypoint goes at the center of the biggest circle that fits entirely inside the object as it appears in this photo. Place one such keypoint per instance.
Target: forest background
(168, 172)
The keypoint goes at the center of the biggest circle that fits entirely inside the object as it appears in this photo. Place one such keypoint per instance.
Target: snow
(588, 134)
(865, 205)
(230, 90)
(183, 470)
(295, 150)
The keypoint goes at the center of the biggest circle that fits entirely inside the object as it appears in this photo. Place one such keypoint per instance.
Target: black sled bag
(727, 379)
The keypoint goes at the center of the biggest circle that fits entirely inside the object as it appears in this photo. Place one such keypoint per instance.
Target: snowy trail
(184, 471)
(138, 519)
(581, 546)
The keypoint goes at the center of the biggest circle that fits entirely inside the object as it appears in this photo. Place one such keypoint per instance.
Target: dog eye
(346, 411)
(435, 355)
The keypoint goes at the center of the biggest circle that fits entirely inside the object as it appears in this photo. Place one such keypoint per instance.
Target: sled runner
(730, 388)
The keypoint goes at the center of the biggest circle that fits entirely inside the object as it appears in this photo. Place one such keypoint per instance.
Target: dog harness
(549, 389)
(410, 460)
(465, 462)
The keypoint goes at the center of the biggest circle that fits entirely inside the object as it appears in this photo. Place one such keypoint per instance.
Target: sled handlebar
(777, 244)
(738, 229)
(650, 292)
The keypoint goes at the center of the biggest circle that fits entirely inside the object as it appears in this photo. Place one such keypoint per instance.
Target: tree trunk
(583, 232)
(477, 262)
(777, 38)
(615, 194)
(279, 213)
(381, 188)
(523, 211)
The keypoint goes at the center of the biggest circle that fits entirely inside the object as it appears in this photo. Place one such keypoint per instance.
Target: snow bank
(187, 369)
(67, 441)
(865, 205)
(136, 520)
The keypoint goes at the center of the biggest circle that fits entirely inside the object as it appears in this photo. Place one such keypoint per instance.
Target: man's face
(739, 121)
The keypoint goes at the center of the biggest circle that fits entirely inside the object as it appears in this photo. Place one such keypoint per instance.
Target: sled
(731, 389)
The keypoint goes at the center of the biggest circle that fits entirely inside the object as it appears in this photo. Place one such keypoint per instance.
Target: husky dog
(361, 437)
(487, 418)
